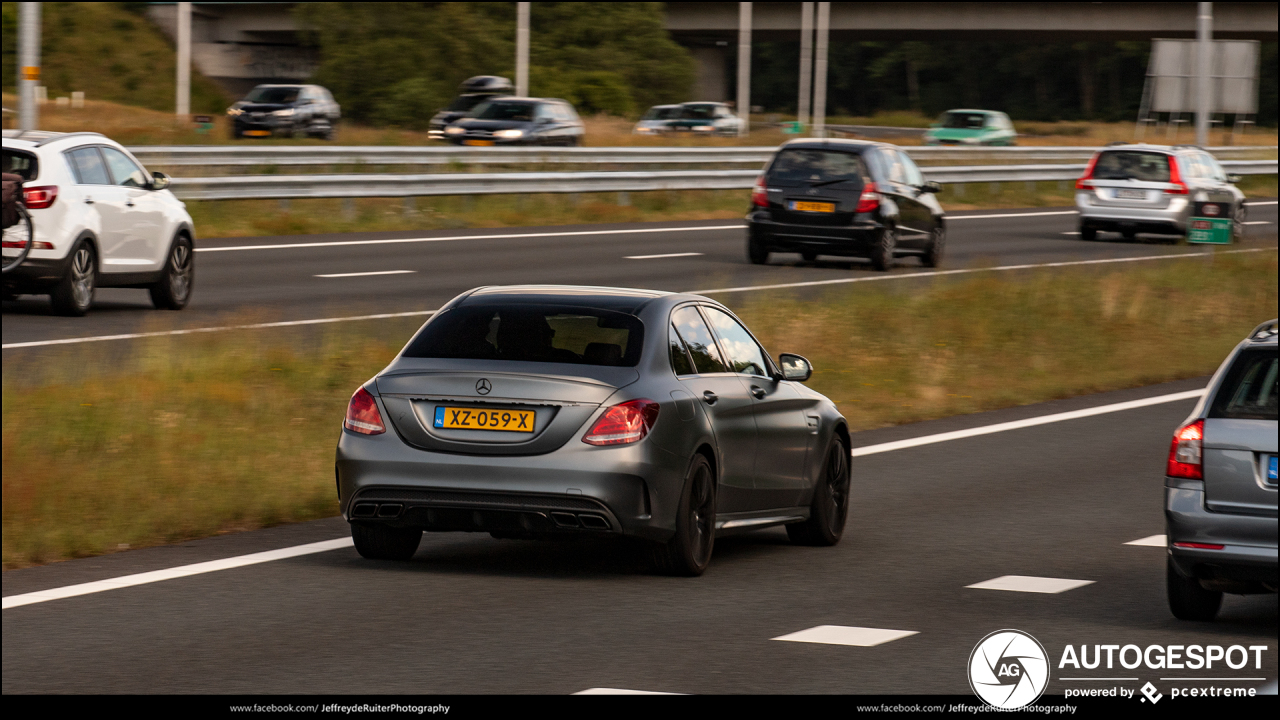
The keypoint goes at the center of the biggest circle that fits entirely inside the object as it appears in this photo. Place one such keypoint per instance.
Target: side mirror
(931, 187)
(795, 367)
(159, 181)
(1234, 179)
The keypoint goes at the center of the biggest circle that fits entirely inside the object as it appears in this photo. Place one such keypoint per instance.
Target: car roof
(33, 139)
(702, 102)
(1171, 149)
(974, 110)
(833, 143)
(1264, 334)
(626, 300)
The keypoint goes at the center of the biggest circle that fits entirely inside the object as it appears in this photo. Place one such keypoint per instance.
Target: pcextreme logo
(1008, 669)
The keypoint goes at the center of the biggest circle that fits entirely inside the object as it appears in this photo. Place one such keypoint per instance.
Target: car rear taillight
(623, 424)
(1175, 179)
(39, 198)
(363, 416)
(759, 197)
(1184, 452)
(869, 200)
(1199, 546)
(1085, 182)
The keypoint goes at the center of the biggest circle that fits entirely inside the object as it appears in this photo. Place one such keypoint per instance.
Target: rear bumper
(37, 273)
(1249, 545)
(1169, 220)
(854, 239)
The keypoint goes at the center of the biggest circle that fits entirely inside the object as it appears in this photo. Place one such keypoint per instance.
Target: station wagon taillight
(1175, 179)
(869, 200)
(1086, 181)
(362, 414)
(759, 197)
(40, 197)
(1185, 452)
(623, 424)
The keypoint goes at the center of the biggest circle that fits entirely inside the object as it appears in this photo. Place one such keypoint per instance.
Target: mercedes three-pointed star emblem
(483, 386)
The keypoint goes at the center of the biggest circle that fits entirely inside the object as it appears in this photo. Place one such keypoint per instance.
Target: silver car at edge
(1220, 484)
(554, 411)
(1139, 188)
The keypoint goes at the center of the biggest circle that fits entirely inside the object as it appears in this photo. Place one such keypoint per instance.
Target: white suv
(101, 220)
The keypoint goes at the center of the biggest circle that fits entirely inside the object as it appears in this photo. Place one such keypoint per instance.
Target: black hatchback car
(847, 198)
(518, 121)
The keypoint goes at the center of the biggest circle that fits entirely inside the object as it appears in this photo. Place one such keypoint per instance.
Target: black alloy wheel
(1238, 218)
(932, 257)
(882, 252)
(174, 289)
(830, 506)
(757, 251)
(379, 542)
(809, 256)
(1188, 600)
(1088, 233)
(689, 552)
(1129, 235)
(73, 295)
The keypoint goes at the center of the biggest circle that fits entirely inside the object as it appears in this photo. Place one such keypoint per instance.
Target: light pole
(820, 72)
(183, 107)
(1204, 43)
(806, 62)
(28, 64)
(744, 68)
(522, 49)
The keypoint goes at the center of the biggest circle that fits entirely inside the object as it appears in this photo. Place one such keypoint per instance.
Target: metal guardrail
(279, 155)
(246, 187)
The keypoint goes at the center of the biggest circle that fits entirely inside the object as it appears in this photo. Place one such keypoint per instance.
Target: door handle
(709, 397)
(757, 392)
(128, 203)
(88, 201)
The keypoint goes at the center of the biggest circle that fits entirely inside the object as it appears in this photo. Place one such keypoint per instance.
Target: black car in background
(287, 110)
(848, 198)
(518, 121)
(471, 93)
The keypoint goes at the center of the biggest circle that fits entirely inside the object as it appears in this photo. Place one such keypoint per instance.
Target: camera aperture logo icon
(1008, 669)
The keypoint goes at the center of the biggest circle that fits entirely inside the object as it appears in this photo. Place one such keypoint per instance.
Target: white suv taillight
(39, 198)
(1185, 452)
(362, 414)
(623, 424)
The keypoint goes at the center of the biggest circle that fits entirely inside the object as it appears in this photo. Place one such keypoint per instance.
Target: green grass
(181, 437)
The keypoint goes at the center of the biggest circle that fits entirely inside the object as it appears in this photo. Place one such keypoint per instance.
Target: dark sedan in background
(518, 121)
(552, 411)
(288, 110)
(845, 197)
(471, 93)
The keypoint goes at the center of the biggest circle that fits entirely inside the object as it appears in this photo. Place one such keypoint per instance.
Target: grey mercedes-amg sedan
(548, 411)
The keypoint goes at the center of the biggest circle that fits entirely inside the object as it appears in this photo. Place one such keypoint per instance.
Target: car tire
(830, 507)
(1238, 218)
(688, 552)
(1187, 599)
(173, 291)
(882, 251)
(1088, 233)
(809, 256)
(73, 295)
(757, 251)
(933, 254)
(379, 542)
(1129, 235)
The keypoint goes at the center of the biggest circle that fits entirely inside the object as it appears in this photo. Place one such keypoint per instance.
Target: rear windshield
(463, 103)
(273, 95)
(1249, 390)
(698, 112)
(504, 111)
(1128, 164)
(816, 166)
(20, 163)
(531, 333)
(963, 121)
(662, 113)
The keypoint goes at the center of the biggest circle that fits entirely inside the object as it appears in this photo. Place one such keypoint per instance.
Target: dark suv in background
(471, 93)
(288, 110)
(845, 197)
(518, 121)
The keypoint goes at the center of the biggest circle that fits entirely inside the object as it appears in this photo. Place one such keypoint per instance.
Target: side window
(124, 170)
(1191, 163)
(701, 344)
(680, 362)
(914, 177)
(86, 165)
(544, 111)
(741, 349)
(1212, 168)
(893, 166)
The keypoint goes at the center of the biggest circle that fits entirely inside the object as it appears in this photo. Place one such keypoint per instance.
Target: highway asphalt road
(320, 276)
(470, 614)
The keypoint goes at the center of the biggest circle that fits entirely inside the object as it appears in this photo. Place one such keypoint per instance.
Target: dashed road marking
(664, 255)
(619, 691)
(1151, 541)
(366, 274)
(845, 635)
(1027, 583)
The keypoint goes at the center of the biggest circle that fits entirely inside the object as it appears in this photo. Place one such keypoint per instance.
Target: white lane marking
(190, 331)
(40, 596)
(365, 274)
(619, 691)
(844, 635)
(503, 236)
(869, 278)
(1262, 202)
(1028, 422)
(966, 271)
(1073, 232)
(655, 257)
(1152, 541)
(1258, 222)
(1011, 215)
(1026, 583)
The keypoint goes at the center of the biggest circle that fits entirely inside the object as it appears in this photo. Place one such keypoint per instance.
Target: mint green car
(971, 127)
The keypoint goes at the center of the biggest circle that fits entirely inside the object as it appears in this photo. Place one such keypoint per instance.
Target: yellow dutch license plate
(455, 418)
(804, 206)
(478, 143)
(257, 133)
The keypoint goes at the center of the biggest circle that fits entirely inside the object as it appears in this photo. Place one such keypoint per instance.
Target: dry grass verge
(189, 436)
